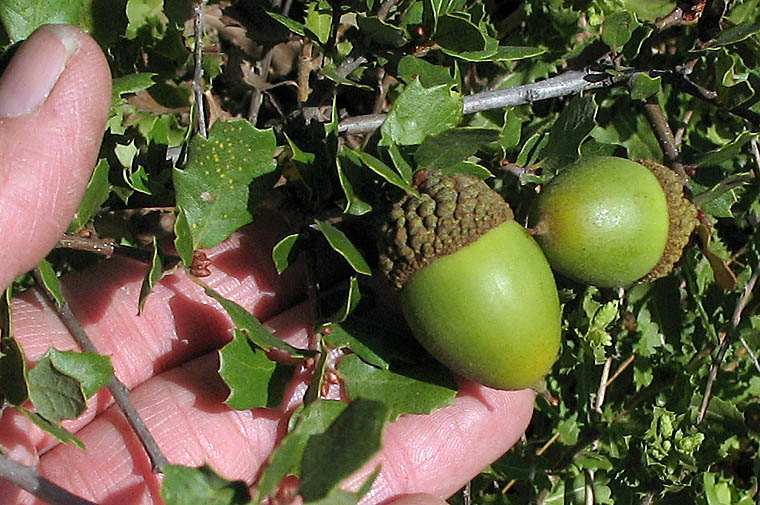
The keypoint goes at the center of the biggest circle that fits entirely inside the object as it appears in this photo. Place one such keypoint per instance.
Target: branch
(567, 83)
(118, 390)
(198, 76)
(258, 93)
(741, 304)
(29, 479)
(664, 134)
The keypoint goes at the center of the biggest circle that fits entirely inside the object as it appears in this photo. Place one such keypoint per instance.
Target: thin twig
(602, 390)
(29, 479)
(118, 390)
(741, 304)
(109, 247)
(621, 369)
(567, 83)
(257, 97)
(664, 134)
(751, 353)
(198, 75)
(756, 153)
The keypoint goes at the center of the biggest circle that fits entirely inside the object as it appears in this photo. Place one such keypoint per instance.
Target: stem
(664, 134)
(29, 479)
(567, 83)
(109, 248)
(198, 75)
(258, 93)
(735, 320)
(118, 390)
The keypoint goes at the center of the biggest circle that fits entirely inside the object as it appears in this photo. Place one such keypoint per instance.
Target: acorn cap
(451, 212)
(682, 215)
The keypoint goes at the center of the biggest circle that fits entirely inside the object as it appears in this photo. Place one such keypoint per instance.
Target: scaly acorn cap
(682, 215)
(451, 212)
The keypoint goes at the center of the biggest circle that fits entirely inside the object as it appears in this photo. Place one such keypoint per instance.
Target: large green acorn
(609, 221)
(475, 288)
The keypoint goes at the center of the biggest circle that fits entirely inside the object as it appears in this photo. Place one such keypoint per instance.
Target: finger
(418, 499)
(179, 321)
(54, 100)
(437, 454)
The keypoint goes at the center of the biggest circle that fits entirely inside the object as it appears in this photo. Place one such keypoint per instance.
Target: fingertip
(54, 100)
(418, 499)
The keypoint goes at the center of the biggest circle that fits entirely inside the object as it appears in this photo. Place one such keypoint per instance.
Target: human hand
(50, 141)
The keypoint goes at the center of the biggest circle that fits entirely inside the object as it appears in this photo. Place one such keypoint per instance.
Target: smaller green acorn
(474, 287)
(609, 221)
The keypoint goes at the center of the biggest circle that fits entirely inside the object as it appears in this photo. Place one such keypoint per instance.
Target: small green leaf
(137, 179)
(50, 281)
(381, 32)
(403, 167)
(55, 395)
(618, 28)
(291, 24)
(183, 239)
(21, 17)
(347, 161)
(352, 300)
(94, 196)
(285, 252)
(195, 486)
(286, 458)
(353, 438)
(510, 132)
(384, 171)
(319, 17)
(152, 276)
(736, 34)
(253, 329)
(452, 146)
(726, 152)
(13, 368)
(93, 371)
(340, 497)
(340, 243)
(419, 112)
(131, 83)
(145, 17)
(456, 35)
(411, 67)
(413, 390)
(573, 126)
(224, 178)
(643, 86)
(247, 372)
(55, 430)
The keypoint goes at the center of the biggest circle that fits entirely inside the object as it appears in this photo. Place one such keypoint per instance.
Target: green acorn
(609, 221)
(475, 288)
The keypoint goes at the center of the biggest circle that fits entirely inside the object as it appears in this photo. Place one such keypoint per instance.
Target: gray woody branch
(567, 83)
(27, 477)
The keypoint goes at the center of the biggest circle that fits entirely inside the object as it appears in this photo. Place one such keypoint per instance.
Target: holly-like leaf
(384, 171)
(353, 297)
(194, 486)
(353, 438)
(55, 395)
(183, 238)
(152, 276)
(381, 32)
(286, 458)
(456, 35)
(248, 373)
(50, 281)
(452, 146)
(224, 179)
(736, 34)
(573, 126)
(419, 112)
(21, 17)
(13, 369)
(412, 390)
(93, 371)
(61, 434)
(131, 83)
(319, 17)
(94, 196)
(411, 67)
(285, 252)
(643, 86)
(253, 329)
(343, 246)
(618, 28)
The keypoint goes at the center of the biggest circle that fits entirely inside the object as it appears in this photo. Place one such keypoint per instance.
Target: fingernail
(34, 70)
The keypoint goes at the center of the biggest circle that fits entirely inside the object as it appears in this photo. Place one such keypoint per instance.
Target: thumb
(54, 100)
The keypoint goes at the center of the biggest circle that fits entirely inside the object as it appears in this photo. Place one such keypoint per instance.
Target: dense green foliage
(622, 418)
